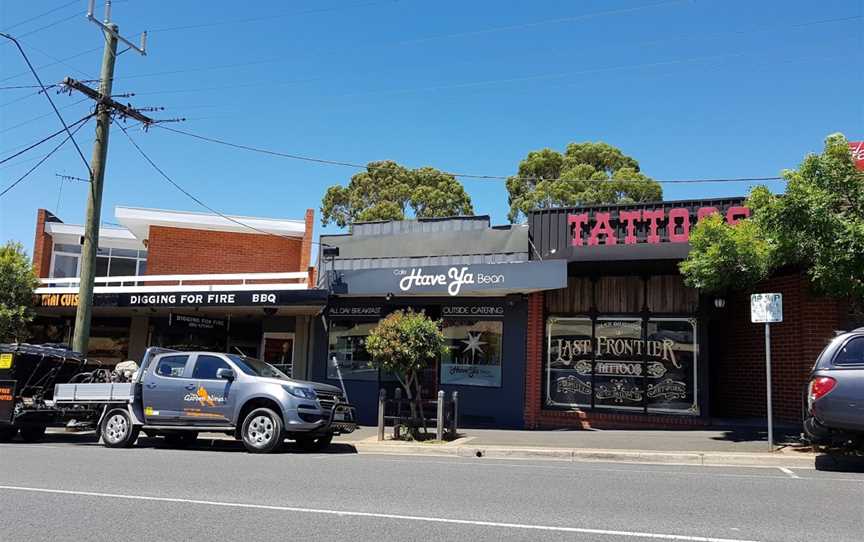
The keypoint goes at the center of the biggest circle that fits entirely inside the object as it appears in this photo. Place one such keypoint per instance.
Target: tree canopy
(585, 173)
(17, 282)
(388, 191)
(817, 224)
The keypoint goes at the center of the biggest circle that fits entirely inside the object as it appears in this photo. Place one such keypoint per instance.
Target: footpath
(719, 446)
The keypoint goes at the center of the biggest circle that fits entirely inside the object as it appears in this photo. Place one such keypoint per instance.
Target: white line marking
(789, 472)
(428, 519)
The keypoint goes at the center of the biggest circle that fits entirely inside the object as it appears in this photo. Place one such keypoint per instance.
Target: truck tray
(93, 393)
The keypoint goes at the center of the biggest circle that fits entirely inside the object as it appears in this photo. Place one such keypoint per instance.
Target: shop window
(473, 353)
(347, 345)
(635, 364)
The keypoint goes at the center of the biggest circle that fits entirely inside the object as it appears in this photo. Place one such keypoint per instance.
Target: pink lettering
(630, 218)
(674, 215)
(705, 211)
(734, 214)
(602, 227)
(653, 217)
(576, 222)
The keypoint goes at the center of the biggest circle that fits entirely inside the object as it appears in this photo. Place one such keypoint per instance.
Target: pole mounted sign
(767, 309)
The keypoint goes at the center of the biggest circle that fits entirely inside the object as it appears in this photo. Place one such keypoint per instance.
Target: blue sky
(690, 88)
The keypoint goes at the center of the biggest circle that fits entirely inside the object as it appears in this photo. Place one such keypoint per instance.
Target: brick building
(627, 344)
(184, 280)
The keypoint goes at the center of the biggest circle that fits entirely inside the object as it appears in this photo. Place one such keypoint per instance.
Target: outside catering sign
(766, 308)
(454, 280)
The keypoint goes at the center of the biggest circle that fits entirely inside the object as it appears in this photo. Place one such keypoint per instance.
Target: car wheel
(8, 433)
(32, 433)
(262, 431)
(181, 439)
(315, 444)
(118, 430)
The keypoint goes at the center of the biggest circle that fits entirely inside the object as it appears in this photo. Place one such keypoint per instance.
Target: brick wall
(808, 324)
(534, 359)
(187, 251)
(43, 245)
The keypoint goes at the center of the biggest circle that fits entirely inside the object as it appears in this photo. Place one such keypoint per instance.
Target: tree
(817, 225)
(586, 173)
(17, 282)
(404, 343)
(387, 190)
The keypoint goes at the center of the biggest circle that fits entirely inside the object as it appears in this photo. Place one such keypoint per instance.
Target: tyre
(262, 431)
(315, 444)
(117, 430)
(181, 439)
(8, 433)
(32, 433)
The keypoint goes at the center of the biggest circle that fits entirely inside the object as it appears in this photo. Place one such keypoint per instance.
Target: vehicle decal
(5, 361)
(148, 411)
(204, 398)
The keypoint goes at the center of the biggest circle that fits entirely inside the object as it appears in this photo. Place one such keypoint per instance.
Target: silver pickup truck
(176, 395)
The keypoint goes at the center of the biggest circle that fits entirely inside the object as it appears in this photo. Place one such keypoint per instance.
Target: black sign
(242, 298)
(196, 322)
(484, 311)
(455, 280)
(658, 231)
(356, 311)
(7, 400)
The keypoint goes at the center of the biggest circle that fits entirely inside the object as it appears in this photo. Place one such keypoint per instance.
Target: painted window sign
(652, 226)
(473, 353)
(622, 363)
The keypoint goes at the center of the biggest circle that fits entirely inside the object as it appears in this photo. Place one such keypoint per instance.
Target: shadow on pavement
(235, 446)
(840, 462)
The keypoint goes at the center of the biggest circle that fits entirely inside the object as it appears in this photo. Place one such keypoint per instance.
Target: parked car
(834, 403)
(179, 394)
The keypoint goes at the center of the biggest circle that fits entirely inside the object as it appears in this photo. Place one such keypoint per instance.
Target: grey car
(834, 402)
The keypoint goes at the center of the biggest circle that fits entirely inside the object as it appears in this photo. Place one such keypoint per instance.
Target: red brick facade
(43, 245)
(736, 362)
(809, 323)
(172, 251)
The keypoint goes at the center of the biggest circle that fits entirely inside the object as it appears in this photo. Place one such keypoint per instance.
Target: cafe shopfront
(481, 306)
(626, 343)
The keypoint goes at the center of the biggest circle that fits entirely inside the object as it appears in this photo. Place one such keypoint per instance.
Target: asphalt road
(76, 490)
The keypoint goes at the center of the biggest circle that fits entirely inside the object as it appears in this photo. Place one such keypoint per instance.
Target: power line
(46, 157)
(33, 119)
(56, 111)
(43, 140)
(59, 61)
(33, 18)
(461, 175)
(192, 196)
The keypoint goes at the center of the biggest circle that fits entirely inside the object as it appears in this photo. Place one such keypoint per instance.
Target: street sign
(766, 308)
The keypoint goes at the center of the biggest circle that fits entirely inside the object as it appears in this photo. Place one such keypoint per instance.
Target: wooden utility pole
(104, 107)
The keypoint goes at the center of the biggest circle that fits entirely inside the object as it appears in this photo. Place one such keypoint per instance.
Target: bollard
(382, 396)
(439, 417)
(454, 414)
(398, 422)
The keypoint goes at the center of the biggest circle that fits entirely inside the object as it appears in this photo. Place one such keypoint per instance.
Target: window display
(348, 347)
(472, 355)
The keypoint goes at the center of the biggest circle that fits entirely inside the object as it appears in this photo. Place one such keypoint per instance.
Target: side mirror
(225, 374)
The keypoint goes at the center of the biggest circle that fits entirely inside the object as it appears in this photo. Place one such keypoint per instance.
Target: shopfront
(626, 342)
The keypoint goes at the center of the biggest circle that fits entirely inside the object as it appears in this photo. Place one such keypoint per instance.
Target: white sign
(453, 279)
(766, 308)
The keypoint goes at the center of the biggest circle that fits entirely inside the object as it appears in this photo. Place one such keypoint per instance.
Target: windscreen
(256, 367)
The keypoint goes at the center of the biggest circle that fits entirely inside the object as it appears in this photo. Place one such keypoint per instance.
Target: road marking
(349, 513)
(789, 472)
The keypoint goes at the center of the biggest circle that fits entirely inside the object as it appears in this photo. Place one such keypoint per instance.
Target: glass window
(473, 353)
(142, 267)
(671, 367)
(74, 249)
(256, 367)
(101, 266)
(122, 267)
(348, 347)
(568, 364)
(123, 253)
(171, 366)
(206, 367)
(65, 266)
(618, 363)
(852, 353)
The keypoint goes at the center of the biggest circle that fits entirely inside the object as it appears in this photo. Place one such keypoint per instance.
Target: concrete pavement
(65, 490)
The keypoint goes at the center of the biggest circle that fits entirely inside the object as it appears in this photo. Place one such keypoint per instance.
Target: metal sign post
(767, 309)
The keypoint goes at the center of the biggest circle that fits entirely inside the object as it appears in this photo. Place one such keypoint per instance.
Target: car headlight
(301, 392)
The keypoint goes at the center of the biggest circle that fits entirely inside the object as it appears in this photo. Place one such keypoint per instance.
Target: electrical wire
(43, 140)
(460, 175)
(46, 157)
(34, 119)
(59, 61)
(33, 18)
(196, 199)
(56, 111)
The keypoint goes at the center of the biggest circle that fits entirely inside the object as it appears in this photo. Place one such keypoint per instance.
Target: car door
(164, 389)
(210, 401)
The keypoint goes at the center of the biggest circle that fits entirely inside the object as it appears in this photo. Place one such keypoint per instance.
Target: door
(277, 349)
(164, 388)
(210, 401)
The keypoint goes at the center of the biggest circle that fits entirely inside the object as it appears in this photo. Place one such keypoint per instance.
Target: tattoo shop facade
(626, 343)
(473, 277)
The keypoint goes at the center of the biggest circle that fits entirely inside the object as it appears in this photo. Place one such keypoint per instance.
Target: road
(76, 490)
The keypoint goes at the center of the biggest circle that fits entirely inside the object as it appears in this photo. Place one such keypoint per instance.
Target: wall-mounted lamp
(388, 297)
(719, 302)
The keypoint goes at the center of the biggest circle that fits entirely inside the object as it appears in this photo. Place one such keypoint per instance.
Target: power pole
(104, 107)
